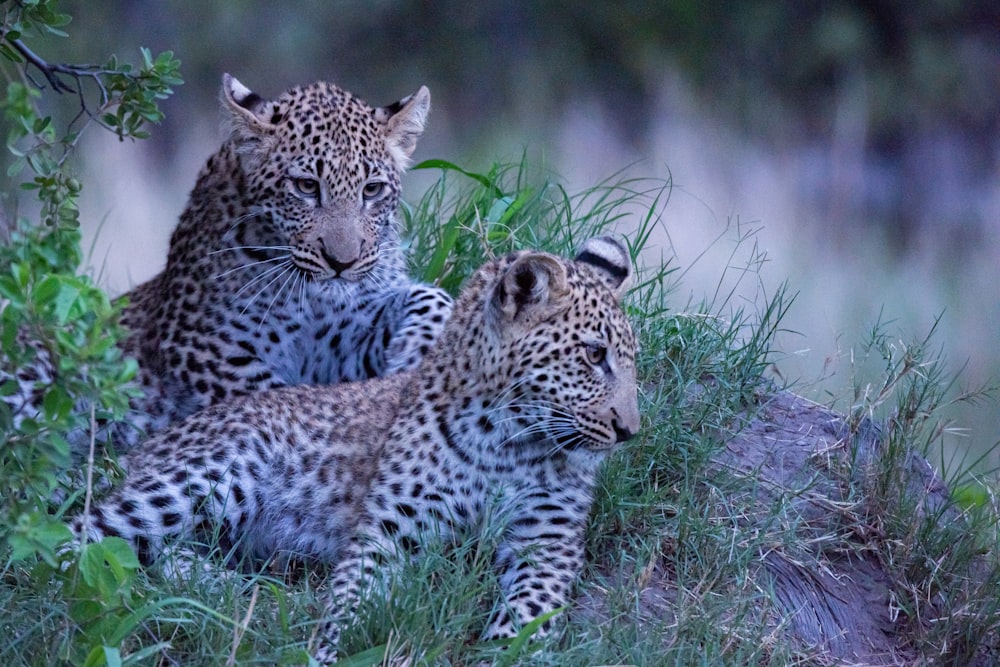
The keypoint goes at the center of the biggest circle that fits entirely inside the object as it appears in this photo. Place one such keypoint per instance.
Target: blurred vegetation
(926, 62)
(913, 87)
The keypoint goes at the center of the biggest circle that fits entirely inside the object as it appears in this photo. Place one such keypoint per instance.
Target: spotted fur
(286, 265)
(530, 386)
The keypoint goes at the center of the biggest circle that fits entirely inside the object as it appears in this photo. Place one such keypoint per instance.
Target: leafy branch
(131, 94)
(126, 97)
(59, 359)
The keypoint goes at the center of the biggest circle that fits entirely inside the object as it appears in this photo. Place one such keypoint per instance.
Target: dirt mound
(834, 599)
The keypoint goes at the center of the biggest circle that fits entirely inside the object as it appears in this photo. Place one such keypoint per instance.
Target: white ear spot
(611, 260)
(237, 90)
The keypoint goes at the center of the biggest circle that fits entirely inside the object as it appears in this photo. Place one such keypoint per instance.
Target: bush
(58, 330)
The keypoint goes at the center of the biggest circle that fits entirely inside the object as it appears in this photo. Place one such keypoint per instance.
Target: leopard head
(323, 169)
(558, 347)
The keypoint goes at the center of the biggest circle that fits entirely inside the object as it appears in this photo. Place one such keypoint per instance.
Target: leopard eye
(306, 187)
(373, 190)
(597, 353)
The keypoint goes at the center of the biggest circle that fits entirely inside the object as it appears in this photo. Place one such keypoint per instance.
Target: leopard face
(554, 331)
(323, 168)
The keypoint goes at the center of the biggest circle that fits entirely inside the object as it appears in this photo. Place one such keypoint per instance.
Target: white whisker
(262, 289)
(534, 417)
(280, 268)
(280, 258)
(501, 398)
(243, 218)
(277, 293)
(285, 248)
(302, 293)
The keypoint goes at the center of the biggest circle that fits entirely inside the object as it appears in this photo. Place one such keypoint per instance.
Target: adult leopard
(285, 267)
(530, 386)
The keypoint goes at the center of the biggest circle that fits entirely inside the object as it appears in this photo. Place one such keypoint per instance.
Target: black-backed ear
(247, 109)
(611, 259)
(249, 124)
(530, 289)
(404, 123)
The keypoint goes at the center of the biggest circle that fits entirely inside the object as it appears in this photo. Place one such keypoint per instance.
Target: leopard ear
(611, 260)
(404, 123)
(248, 120)
(245, 106)
(530, 288)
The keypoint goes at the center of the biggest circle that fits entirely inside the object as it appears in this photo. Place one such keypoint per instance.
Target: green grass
(667, 516)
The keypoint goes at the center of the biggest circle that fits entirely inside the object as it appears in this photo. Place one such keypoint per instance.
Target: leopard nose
(622, 433)
(334, 264)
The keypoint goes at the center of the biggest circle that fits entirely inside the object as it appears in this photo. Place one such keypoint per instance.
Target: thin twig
(52, 73)
(240, 629)
(45, 68)
(90, 476)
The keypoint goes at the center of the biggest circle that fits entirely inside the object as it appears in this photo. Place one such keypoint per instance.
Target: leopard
(286, 266)
(529, 388)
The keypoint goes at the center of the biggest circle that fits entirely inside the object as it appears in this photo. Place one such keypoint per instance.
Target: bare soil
(834, 599)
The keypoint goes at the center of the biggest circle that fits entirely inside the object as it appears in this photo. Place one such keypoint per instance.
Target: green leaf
(37, 534)
(971, 495)
(58, 293)
(50, 535)
(139, 657)
(57, 404)
(60, 20)
(449, 236)
(91, 563)
(16, 167)
(367, 658)
(444, 165)
(20, 547)
(517, 646)
(515, 206)
(112, 656)
(119, 550)
(9, 388)
(41, 124)
(95, 658)
(10, 289)
(85, 611)
(66, 299)
(6, 419)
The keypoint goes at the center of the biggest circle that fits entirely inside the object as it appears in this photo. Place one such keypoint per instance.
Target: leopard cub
(286, 266)
(530, 386)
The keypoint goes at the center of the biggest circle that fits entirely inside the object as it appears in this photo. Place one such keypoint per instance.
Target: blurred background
(856, 143)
